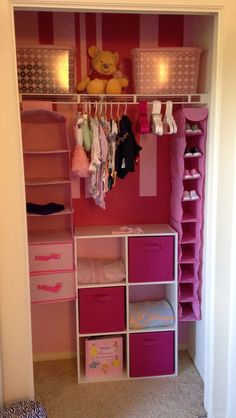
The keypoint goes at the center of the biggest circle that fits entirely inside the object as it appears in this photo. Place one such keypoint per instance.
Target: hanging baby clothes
(112, 153)
(80, 164)
(127, 149)
(97, 166)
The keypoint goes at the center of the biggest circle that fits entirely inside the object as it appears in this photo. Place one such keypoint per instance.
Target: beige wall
(14, 292)
(15, 333)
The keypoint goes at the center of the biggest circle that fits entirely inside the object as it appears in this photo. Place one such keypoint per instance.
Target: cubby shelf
(47, 179)
(144, 282)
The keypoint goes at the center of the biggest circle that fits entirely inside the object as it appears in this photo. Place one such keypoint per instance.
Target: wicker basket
(165, 70)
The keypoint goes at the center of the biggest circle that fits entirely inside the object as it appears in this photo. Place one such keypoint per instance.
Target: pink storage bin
(50, 257)
(165, 70)
(103, 357)
(102, 309)
(151, 259)
(152, 354)
(52, 287)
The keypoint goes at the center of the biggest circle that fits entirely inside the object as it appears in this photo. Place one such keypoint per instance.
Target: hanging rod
(201, 98)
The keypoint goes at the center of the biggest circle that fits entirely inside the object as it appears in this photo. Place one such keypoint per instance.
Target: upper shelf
(196, 98)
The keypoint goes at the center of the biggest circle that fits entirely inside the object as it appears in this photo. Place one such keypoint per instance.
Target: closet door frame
(216, 373)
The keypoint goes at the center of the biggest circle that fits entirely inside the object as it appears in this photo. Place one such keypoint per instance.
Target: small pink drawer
(151, 259)
(102, 309)
(152, 354)
(51, 257)
(52, 287)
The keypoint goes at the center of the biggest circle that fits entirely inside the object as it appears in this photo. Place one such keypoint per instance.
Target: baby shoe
(188, 152)
(195, 174)
(187, 174)
(186, 195)
(188, 128)
(195, 152)
(193, 195)
(196, 129)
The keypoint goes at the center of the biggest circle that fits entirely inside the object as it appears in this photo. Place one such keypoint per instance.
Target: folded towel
(150, 314)
(100, 271)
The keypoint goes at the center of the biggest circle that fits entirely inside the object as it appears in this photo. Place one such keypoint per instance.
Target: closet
(143, 198)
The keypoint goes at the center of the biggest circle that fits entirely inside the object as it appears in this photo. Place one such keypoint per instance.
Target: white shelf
(106, 231)
(154, 329)
(92, 285)
(46, 236)
(46, 152)
(151, 283)
(66, 211)
(46, 182)
(196, 98)
(101, 334)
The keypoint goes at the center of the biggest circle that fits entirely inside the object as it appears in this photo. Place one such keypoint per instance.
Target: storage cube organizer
(104, 356)
(165, 70)
(45, 70)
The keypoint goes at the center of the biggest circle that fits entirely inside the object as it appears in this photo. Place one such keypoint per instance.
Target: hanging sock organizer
(188, 149)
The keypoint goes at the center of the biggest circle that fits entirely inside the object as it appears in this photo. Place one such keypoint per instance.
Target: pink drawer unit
(51, 257)
(151, 259)
(102, 309)
(52, 287)
(152, 354)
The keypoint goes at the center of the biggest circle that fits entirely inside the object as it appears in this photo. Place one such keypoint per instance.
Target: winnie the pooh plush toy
(104, 76)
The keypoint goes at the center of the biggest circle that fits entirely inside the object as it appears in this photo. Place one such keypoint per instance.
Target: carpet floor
(174, 397)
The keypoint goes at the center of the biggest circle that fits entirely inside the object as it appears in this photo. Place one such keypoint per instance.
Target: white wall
(14, 296)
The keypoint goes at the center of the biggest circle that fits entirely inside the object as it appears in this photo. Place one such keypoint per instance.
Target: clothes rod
(130, 99)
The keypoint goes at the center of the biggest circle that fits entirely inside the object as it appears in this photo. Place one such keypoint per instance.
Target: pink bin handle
(156, 247)
(48, 288)
(151, 343)
(47, 257)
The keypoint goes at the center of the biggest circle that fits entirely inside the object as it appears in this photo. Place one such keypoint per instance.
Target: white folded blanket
(100, 271)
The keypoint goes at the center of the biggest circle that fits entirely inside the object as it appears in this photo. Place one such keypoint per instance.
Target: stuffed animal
(104, 76)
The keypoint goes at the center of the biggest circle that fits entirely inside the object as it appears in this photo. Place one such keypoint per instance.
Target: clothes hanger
(156, 118)
(118, 110)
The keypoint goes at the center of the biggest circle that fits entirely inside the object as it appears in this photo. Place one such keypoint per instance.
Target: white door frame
(213, 167)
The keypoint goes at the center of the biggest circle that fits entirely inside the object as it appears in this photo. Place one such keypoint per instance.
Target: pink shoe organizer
(187, 215)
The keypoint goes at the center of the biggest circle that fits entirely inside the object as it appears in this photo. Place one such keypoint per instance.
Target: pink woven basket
(165, 70)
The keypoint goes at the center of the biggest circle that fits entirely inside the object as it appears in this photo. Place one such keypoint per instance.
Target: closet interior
(100, 266)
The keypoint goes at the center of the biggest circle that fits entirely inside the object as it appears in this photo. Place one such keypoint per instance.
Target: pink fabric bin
(104, 357)
(151, 259)
(152, 354)
(102, 309)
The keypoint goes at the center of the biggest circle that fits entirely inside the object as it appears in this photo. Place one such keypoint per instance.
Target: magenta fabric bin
(152, 354)
(151, 259)
(102, 309)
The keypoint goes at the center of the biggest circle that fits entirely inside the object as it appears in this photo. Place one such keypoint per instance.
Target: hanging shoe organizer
(188, 150)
